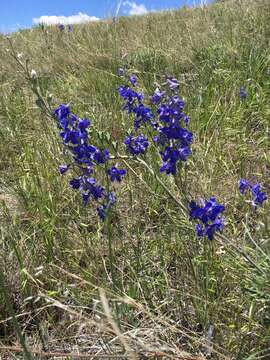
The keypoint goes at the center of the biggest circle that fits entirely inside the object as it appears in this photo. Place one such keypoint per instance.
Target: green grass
(168, 288)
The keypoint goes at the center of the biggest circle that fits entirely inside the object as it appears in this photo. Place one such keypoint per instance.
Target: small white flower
(20, 55)
(33, 74)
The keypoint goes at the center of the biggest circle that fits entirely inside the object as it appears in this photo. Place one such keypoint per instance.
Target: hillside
(140, 284)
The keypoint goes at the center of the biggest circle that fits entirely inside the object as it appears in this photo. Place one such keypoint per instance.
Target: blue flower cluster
(209, 216)
(109, 200)
(165, 117)
(116, 174)
(136, 145)
(61, 27)
(132, 99)
(242, 93)
(258, 196)
(86, 157)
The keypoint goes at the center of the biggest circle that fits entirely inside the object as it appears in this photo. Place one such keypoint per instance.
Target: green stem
(108, 226)
(111, 255)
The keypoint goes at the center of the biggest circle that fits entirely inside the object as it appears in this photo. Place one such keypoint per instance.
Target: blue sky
(16, 14)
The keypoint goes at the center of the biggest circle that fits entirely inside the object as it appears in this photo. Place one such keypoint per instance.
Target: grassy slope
(182, 286)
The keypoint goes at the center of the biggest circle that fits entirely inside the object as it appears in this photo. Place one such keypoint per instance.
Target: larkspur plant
(61, 27)
(167, 120)
(86, 158)
(258, 196)
(165, 117)
(209, 216)
(242, 93)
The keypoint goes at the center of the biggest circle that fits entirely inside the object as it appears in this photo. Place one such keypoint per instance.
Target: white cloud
(73, 19)
(135, 9)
